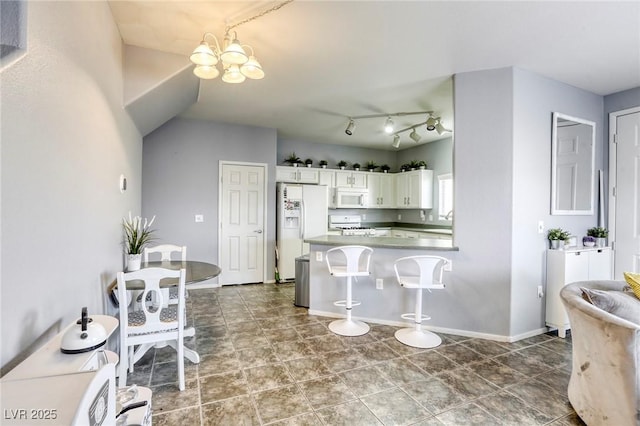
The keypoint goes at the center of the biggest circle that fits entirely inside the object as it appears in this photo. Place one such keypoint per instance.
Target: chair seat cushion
(138, 318)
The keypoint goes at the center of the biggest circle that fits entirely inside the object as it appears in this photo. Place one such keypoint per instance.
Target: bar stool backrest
(427, 274)
(348, 260)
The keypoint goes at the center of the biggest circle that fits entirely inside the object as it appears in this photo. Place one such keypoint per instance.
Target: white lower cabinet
(567, 266)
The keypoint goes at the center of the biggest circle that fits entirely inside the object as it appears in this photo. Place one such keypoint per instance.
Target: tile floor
(266, 362)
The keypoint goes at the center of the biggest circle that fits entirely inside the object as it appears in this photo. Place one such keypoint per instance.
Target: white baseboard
(456, 332)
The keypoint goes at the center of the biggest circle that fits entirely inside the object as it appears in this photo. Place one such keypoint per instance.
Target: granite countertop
(435, 229)
(384, 242)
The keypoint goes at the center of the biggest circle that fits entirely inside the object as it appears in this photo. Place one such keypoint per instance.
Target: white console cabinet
(567, 266)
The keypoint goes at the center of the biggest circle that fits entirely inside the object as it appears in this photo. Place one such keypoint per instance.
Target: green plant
(356, 166)
(414, 164)
(557, 234)
(422, 163)
(598, 232)
(323, 162)
(405, 166)
(308, 161)
(385, 167)
(371, 165)
(137, 233)
(342, 163)
(292, 159)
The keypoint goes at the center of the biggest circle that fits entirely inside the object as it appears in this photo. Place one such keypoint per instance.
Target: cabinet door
(386, 191)
(402, 182)
(396, 233)
(576, 267)
(307, 175)
(327, 177)
(359, 180)
(600, 264)
(286, 174)
(343, 178)
(373, 183)
(414, 187)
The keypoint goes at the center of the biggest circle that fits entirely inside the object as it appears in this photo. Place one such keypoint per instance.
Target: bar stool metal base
(349, 327)
(418, 338)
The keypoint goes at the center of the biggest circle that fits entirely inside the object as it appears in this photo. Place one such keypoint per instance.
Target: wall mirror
(572, 165)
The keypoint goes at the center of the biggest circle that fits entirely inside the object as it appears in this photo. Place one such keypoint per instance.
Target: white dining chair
(166, 252)
(153, 322)
(419, 273)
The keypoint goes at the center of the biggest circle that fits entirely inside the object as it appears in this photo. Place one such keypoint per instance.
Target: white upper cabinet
(297, 174)
(351, 179)
(414, 190)
(381, 190)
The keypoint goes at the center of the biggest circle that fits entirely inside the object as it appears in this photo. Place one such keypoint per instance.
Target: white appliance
(350, 198)
(301, 213)
(350, 225)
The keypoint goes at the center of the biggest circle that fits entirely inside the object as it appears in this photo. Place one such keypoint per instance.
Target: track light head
(415, 136)
(440, 128)
(396, 141)
(350, 127)
(431, 123)
(388, 126)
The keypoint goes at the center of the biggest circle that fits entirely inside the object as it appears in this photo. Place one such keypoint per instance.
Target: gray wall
(535, 99)
(180, 174)
(65, 141)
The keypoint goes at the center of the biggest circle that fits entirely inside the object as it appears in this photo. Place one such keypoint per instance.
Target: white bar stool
(348, 261)
(419, 272)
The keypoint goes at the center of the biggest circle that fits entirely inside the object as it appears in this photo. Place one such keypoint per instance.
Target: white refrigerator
(302, 212)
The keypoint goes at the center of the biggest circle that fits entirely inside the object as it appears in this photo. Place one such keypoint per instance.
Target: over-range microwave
(350, 198)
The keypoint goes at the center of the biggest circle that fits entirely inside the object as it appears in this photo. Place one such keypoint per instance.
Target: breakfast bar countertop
(384, 242)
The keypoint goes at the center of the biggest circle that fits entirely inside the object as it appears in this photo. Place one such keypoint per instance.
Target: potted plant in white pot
(600, 234)
(292, 159)
(557, 237)
(323, 164)
(342, 164)
(137, 234)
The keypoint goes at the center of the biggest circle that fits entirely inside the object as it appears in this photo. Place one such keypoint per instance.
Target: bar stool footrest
(343, 303)
(412, 317)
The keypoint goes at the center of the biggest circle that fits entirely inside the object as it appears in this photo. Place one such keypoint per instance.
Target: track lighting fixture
(388, 126)
(396, 141)
(432, 123)
(414, 135)
(350, 128)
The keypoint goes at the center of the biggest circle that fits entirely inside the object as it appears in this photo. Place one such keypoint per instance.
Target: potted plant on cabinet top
(371, 166)
(555, 236)
(323, 164)
(356, 166)
(600, 234)
(342, 164)
(137, 234)
(308, 162)
(422, 164)
(292, 159)
(385, 168)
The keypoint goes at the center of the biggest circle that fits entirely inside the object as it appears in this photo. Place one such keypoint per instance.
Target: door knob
(259, 231)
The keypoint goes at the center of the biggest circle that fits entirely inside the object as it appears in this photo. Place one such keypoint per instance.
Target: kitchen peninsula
(383, 301)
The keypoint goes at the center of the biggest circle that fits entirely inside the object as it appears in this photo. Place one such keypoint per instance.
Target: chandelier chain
(273, 9)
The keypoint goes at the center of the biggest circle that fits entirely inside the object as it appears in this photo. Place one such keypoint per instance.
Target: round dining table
(195, 272)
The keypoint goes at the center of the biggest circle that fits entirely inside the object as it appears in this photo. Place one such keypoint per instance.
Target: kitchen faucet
(449, 215)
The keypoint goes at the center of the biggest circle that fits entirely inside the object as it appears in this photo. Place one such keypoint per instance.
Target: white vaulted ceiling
(327, 60)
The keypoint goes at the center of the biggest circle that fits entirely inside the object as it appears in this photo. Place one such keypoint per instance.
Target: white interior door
(625, 183)
(241, 244)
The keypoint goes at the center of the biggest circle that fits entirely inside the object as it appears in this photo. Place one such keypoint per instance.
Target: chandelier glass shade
(237, 66)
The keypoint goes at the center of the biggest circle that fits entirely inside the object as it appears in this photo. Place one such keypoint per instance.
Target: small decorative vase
(384, 171)
(324, 166)
(555, 244)
(341, 167)
(294, 164)
(601, 242)
(308, 165)
(133, 262)
(356, 169)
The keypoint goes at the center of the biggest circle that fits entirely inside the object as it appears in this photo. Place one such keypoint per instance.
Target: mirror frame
(554, 146)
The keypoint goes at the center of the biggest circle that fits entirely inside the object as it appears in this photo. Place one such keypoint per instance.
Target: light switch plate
(379, 284)
(319, 256)
(199, 218)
